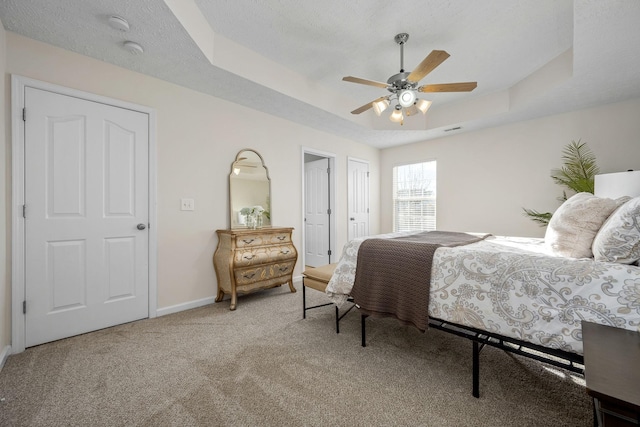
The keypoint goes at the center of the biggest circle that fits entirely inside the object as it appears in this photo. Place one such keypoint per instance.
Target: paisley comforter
(514, 287)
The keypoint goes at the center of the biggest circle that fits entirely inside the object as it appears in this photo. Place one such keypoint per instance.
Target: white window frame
(421, 195)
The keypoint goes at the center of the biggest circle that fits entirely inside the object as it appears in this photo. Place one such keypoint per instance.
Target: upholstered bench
(318, 278)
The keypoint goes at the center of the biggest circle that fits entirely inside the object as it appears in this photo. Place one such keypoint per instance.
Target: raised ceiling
(531, 58)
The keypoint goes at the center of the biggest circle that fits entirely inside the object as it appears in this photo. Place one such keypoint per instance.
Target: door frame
(18, 262)
(332, 200)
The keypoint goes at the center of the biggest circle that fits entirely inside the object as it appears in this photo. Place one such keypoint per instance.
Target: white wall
(486, 177)
(198, 138)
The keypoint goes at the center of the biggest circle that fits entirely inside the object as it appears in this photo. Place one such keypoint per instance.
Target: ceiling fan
(404, 86)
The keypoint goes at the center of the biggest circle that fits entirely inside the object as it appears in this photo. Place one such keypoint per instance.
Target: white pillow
(574, 225)
(619, 237)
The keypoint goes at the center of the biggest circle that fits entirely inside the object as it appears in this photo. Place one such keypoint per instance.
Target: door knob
(352, 219)
(141, 226)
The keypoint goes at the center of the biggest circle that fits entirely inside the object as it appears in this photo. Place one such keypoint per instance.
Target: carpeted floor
(263, 365)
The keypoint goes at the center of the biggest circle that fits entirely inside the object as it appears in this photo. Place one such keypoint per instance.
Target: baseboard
(185, 306)
(4, 355)
(199, 303)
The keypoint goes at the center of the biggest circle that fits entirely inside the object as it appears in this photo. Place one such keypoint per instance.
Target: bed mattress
(514, 287)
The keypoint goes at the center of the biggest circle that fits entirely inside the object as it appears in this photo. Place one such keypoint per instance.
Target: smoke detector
(118, 23)
(133, 47)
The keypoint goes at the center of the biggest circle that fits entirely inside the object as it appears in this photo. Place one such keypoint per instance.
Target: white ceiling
(531, 58)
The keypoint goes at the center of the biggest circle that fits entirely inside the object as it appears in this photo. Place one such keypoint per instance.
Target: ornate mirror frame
(249, 191)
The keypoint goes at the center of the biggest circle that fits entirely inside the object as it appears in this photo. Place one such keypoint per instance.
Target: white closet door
(358, 198)
(86, 197)
(316, 217)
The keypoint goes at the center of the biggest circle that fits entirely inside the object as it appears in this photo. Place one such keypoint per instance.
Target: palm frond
(542, 218)
(579, 168)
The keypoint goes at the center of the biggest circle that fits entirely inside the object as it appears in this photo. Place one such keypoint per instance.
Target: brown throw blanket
(393, 275)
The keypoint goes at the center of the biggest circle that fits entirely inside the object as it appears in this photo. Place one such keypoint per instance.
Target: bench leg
(304, 301)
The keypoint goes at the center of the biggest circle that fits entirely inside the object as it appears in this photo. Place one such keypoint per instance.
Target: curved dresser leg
(234, 300)
(220, 295)
(291, 286)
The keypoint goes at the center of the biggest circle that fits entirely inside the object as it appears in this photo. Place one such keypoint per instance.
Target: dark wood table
(612, 373)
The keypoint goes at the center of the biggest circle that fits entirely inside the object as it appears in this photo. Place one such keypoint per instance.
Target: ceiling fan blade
(365, 82)
(449, 87)
(428, 64)
(365, 107)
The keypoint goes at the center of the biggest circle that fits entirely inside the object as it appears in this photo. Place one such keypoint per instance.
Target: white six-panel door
(316, 217)
(86, 216)
(358, 198)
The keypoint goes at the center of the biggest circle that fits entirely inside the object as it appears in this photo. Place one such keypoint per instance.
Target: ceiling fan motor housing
(399, 82)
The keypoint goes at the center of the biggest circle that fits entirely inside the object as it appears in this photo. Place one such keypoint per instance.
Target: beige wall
(5, 192)
(198, 137)
(486, 177)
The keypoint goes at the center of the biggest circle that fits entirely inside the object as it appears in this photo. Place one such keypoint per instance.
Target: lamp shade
(423, 105)
(396, 116)
(411, 111)
(380, 106)
(614, 185)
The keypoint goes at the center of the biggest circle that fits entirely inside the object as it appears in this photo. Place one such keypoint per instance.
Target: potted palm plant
(576, 174)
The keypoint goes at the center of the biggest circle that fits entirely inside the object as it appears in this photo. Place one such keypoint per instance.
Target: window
(414, 197)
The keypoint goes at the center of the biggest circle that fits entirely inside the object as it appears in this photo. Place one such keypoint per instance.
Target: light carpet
(263, 365)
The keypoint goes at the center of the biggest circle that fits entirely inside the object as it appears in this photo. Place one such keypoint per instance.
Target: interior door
(358, 198)
(86, 216)
(317, 213)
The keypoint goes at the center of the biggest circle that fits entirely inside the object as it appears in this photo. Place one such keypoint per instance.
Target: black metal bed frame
(562, 359)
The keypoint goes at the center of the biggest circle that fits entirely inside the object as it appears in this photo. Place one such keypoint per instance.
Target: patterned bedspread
(513, 287)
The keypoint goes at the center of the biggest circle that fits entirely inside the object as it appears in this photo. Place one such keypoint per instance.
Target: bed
(530, 295)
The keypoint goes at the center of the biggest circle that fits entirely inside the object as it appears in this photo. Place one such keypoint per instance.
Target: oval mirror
(249, 191)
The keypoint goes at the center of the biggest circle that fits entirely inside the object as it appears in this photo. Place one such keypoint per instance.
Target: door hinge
(329, 252)
(329, 211)
(24, 114)
(329, 171)
(367, 174)
(24, 211)
(24, 307)
(367, 210)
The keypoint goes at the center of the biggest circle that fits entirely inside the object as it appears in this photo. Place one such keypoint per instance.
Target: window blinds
(414, 197)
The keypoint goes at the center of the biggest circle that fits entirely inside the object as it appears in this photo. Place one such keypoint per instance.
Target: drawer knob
(247, 241)
(285, 251)
(249, 257)
(283, 269)
(249, 276)
(281, 237)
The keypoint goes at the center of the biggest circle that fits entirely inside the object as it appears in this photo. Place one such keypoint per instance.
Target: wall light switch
(186, 205)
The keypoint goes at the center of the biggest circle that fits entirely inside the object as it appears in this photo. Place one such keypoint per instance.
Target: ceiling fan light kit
(380, 106)
(404, 86)
(397, 116)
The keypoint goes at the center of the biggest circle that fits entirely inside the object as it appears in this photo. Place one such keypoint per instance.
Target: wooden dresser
(247, 260)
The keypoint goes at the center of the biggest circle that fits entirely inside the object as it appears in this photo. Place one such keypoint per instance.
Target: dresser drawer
(278, 238)
(251, 240)
(246, 276)
(248, 256)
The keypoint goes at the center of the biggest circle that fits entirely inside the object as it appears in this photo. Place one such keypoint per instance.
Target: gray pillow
(619, 237)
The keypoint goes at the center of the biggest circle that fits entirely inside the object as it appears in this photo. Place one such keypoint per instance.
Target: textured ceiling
(530, 58)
